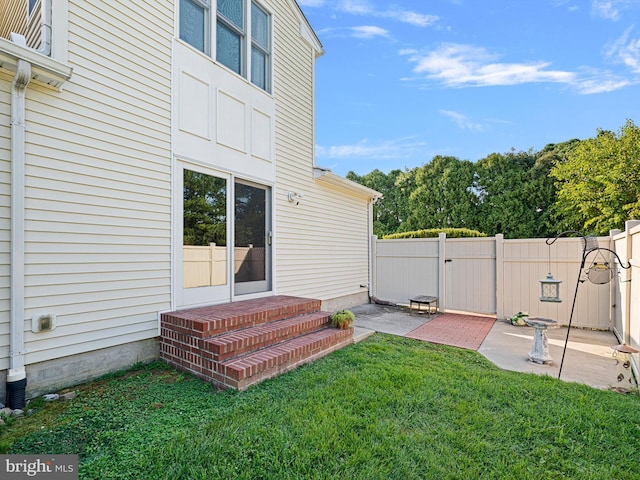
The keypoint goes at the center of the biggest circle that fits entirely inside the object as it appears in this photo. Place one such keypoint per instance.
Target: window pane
(232, 10)
(228, 48)
(205, 230)
(250, 233)
(259, 26)
(192, 25)
(258, 68)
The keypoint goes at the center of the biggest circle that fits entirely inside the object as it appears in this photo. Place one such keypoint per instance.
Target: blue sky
(403, 81)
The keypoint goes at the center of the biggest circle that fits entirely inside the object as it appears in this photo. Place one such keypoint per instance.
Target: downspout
(45, 29)
(17, 376)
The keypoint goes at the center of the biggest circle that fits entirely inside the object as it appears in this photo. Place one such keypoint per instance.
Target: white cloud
(363, 7)
(356, 7)
(462, 121)
(412, 18)
(464, 65)
(364, 149)
(606, 9)
(626, 51)
(591, 86)
(369, 31)
(364, 32)
(457, 66)
(311, 3)
(611, 9)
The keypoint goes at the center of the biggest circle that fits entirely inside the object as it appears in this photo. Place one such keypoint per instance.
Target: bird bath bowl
(540, 349)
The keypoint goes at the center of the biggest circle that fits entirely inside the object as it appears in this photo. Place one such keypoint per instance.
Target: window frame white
(206, 8)
(211, 19)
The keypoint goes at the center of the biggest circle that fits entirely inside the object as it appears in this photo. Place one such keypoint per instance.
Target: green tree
(498, 184)
(205, 209)
(599, 183)
(393, 208)
(443, 195)
(515, 193)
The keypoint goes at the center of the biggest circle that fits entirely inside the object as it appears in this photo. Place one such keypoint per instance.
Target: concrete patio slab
(589, 357)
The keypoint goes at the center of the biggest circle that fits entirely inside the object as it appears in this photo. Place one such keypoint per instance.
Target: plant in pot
(342, 319)
(519, 319)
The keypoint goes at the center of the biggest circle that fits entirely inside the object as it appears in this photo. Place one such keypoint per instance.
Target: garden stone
(50, 397)
(65, 397)
(6, 411)
(17, 413)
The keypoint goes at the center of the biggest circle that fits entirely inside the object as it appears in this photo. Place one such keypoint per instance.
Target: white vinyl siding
(13, 17)
(98, 183)
(322, 243)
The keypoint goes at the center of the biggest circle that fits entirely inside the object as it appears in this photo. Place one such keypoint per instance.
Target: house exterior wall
(101, 163)
(322, 242)
(98, 190)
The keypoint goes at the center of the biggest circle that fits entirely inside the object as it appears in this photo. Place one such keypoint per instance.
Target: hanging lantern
(550, 289)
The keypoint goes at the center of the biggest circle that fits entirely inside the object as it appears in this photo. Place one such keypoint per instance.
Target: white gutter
(18, 90)
(326, 176)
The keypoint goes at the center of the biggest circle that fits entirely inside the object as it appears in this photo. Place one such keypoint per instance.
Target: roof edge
(327, 176)
(306, 31)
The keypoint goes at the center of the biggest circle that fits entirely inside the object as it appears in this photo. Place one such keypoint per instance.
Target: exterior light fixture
(550, 289)
(294, 197)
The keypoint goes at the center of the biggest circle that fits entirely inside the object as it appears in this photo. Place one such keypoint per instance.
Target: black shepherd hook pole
(586, 250)
(575, 294)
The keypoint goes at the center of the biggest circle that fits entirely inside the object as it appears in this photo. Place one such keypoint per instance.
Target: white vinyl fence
(626, 294)
(495, 276)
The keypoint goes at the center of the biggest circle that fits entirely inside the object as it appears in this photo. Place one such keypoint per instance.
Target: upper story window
(32, 5)
(242, 35)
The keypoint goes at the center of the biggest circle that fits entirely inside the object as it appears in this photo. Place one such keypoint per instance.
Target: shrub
(434, 232)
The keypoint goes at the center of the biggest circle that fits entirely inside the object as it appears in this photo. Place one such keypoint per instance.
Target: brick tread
(238, 342)
(287, 352)
(218, 319)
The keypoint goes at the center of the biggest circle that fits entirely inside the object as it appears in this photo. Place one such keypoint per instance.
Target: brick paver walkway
(457, 330)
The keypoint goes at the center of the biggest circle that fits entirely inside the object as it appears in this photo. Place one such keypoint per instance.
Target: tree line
(590, 185)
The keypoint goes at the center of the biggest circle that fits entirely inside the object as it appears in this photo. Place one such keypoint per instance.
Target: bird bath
(540, 349)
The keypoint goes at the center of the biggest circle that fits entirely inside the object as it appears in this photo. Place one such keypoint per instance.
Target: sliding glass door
(205, 238)
(252, 238)
(226, 238)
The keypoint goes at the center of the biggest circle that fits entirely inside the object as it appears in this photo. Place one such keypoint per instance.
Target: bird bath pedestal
(540, 349)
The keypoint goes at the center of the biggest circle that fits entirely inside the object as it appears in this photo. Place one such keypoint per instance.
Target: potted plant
(519, 319)
(342, 319)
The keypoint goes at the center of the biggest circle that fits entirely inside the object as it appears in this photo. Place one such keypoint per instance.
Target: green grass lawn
(386, 408)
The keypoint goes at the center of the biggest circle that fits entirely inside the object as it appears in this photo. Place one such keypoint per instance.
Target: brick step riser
(232, 345)
(228, 376)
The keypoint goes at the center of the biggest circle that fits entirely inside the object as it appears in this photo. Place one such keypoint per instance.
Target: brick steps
(209, 321)
(242, 343)
(239, 342)
(244, 371)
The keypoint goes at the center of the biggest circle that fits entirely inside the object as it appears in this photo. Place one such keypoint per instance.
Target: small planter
(342, 319)
(519, 319)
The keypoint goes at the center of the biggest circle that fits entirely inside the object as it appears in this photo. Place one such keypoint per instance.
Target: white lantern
(550, 289)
